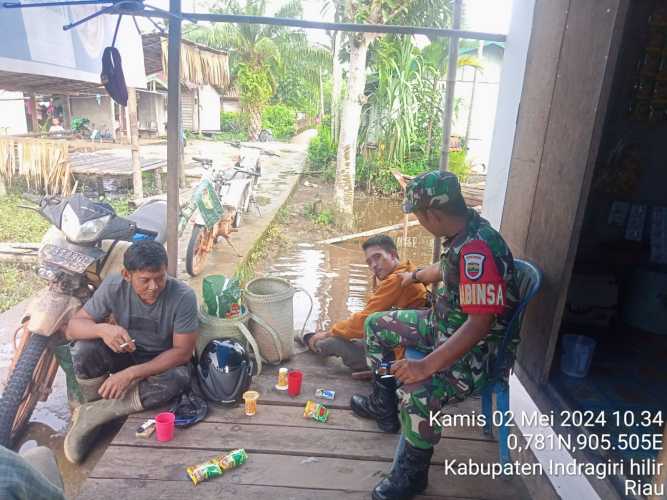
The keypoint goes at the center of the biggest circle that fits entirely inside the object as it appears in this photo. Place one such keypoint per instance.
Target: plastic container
(250, 399)
(164, 426)
(294, 378)
(577, 354)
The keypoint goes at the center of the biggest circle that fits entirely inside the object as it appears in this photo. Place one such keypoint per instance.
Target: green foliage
(120, 205)
(232, 122)
(17, 283)
(376, 174)
(280, 120)
(317, 214)
(322, 154)
(19, 224)
(262, 56)
(79, 123)
(458, 165)
(255, 86)
(298, 92)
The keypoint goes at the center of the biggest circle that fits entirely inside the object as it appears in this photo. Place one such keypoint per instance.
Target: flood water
(334, 275)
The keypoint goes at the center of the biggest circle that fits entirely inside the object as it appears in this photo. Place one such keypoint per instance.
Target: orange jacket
(389, 294)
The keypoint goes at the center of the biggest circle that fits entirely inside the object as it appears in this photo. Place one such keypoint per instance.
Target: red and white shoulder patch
(481, 288)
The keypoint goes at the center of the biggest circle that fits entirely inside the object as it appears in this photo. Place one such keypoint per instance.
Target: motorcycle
(85, 243)
(217, 206)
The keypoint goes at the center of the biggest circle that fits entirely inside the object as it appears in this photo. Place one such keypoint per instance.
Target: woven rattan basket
(212, 327)
(270, 300)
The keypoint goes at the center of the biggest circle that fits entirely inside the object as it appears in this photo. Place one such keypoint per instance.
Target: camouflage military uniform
(477, 269)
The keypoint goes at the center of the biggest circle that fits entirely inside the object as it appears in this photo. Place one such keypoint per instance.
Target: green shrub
(317, 214)
(280, 120)
(322, 154)
(232, 122)
(458, 165)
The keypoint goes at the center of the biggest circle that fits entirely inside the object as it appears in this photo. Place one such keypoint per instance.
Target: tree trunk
(254, 122)
(337, 75)
(349, 125)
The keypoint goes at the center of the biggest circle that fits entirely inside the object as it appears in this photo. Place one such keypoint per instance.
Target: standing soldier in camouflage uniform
(457, 336)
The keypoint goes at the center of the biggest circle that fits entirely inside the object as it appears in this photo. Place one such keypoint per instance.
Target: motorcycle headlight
(81, 233)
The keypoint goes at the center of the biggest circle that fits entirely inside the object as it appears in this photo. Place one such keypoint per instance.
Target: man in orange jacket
(345, 339)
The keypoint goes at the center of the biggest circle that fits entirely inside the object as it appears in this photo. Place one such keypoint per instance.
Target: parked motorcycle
(85, 243)
(217, 206)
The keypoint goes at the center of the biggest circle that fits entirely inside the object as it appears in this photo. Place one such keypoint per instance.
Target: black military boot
(408, 477)
(381, 405)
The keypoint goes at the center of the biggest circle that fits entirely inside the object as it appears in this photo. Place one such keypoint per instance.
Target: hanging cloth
(112, 75)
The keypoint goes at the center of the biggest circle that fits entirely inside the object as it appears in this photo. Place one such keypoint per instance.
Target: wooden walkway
(111, 162)
(290, 457)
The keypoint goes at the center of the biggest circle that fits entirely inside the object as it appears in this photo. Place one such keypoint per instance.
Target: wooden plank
(370, 232)
(287, 416)
(585, 67)
(316, 473)
(303, 441)
(140, 489)
(549, 20)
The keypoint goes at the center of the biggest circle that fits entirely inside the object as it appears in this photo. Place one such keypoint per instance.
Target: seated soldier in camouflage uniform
(458, 334)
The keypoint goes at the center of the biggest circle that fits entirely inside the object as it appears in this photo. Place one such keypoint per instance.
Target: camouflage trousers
(421, 330)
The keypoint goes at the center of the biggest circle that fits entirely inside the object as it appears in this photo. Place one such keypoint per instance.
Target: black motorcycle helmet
(225, 371)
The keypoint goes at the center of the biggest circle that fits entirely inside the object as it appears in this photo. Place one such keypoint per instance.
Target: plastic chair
(529, 280)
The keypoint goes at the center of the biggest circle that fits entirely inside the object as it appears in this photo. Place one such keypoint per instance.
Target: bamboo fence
(43, 164)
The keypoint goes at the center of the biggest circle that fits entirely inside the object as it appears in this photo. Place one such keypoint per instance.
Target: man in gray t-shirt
(134, 340)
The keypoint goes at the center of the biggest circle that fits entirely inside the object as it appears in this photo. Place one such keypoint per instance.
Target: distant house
(230, 101)
(12, 113)
(204, 78)
(481, 117)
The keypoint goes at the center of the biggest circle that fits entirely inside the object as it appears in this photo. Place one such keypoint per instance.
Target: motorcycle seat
(152, 216)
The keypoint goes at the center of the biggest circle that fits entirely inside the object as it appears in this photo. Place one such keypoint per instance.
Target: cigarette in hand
(125, 344)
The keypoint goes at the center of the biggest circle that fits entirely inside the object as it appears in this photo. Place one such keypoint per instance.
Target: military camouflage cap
(434, 189)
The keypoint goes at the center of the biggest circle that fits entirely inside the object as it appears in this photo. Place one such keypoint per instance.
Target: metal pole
(451, 88)
(173, 133)
(480, 55)
(449, 105)
(351, 27)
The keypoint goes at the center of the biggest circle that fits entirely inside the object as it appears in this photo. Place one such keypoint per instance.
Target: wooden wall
(571, 59)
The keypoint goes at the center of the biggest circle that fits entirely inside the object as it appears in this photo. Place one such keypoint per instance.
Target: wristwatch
(414, 275)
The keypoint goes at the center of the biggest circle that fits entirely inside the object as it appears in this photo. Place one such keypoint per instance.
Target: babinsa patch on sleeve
(473, 266)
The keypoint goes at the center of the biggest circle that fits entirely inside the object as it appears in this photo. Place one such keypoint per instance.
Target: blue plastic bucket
(577, 353)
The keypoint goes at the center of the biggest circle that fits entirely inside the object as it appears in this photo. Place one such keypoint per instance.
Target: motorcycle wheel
(243, 207)
(15, 391)
(197, 255)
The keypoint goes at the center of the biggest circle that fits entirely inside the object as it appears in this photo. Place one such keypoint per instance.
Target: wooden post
(137, 184)
(33, 117)
(173, 133)
(116, 137)
(67, 112)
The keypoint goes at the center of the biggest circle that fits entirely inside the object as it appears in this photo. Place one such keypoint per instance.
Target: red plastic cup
(294, 378)
(164, 426)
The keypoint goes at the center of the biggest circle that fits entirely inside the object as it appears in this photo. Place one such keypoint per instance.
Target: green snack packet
(204, 472)
(233, 459)
(220, 294)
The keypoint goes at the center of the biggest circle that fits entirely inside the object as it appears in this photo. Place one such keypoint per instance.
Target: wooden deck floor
(290, 457)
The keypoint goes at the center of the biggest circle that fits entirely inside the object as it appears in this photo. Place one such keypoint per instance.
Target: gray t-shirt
(151, 326)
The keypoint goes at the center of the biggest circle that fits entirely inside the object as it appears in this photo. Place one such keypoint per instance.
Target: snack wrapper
(316, 411)
(325, 393)
(217, 466)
